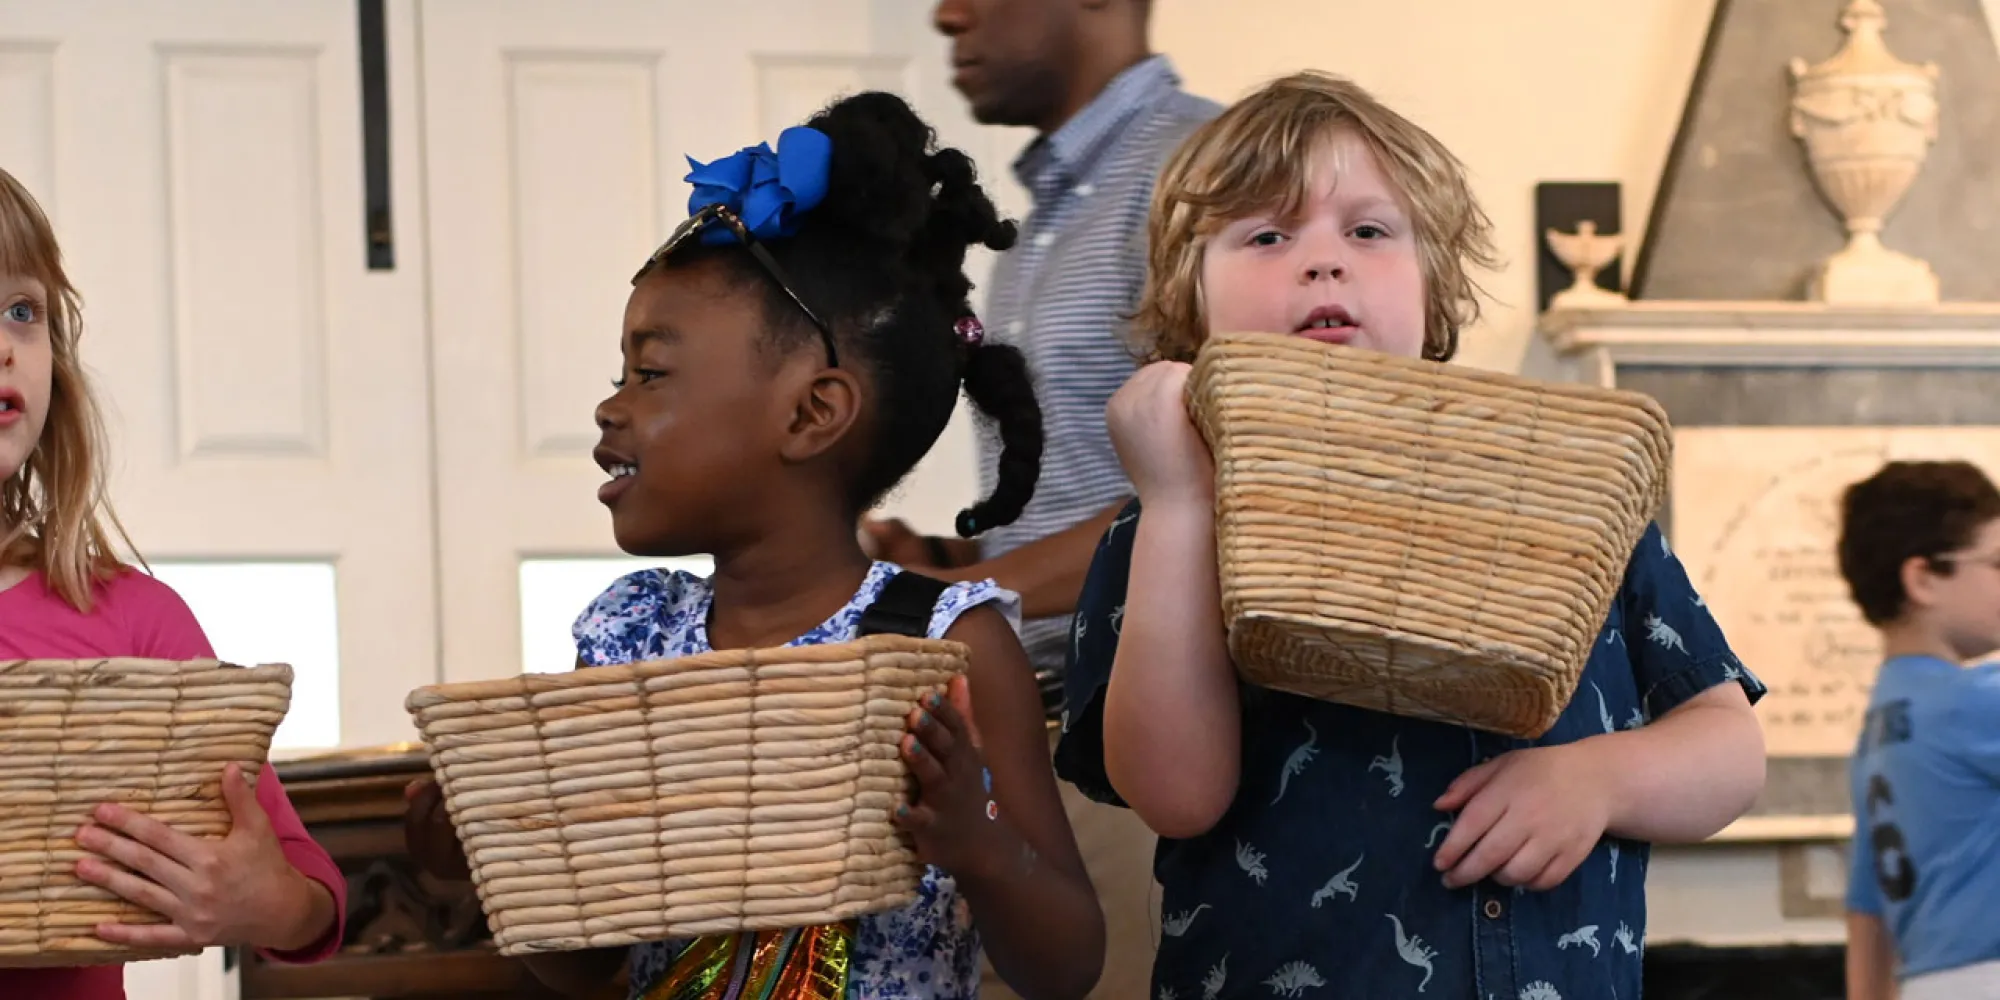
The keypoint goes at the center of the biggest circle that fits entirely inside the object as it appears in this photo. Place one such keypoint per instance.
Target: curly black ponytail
(997, 379)
(882, 260)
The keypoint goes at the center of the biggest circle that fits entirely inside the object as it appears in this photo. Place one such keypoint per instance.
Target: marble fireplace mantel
(1786, 334)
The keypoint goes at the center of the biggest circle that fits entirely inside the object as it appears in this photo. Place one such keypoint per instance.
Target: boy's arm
(1699, 763)
(1048, 572)
(1172, 733)
(1687, 775)
(1871, 958)
(1531, 816)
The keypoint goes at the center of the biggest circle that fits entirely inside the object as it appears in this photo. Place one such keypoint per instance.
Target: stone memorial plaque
(1756, 515)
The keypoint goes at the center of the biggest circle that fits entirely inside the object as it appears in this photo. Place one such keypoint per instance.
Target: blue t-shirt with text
(1926, 782)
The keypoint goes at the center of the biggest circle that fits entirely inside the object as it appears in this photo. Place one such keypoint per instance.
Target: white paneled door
(555, 139)
(266, 392)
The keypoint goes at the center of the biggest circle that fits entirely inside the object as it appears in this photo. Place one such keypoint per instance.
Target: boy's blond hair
(1253, 158)
(53, 513)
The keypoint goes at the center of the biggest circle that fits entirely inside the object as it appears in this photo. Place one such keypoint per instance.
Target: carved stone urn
(1867, 120)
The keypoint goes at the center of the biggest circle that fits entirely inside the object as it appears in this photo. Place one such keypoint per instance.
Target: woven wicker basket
(153, 735)
(1429, 541)
(737, 790)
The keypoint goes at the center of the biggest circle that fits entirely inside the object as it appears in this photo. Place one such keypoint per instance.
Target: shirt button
(1044, 239)
(1085, 190)
(1492, 909)
(1014, 328)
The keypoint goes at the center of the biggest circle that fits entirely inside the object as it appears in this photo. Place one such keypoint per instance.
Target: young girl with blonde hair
(65, 593)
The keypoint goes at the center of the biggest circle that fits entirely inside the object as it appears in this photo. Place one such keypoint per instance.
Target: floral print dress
(925, 951)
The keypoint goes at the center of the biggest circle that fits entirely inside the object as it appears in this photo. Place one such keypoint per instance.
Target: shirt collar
(1075, 148)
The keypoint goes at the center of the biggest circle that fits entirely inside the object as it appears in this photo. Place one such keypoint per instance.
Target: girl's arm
(1016, 864)
(1871, 959)
(1172, 735)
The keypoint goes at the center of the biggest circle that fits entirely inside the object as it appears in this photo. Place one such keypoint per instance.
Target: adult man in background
(1108, 114)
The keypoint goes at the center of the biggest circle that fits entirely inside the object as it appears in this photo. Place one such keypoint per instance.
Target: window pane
(555, 591)
(270, 612)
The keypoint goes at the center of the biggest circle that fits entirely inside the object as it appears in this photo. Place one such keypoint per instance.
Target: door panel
(556, 147)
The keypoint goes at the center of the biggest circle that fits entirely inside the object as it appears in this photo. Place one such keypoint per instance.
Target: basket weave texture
(729, 791)
(153, 735)
(1428, 541)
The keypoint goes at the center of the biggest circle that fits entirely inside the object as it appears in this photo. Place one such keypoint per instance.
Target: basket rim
(521, 685)
(1222, 344)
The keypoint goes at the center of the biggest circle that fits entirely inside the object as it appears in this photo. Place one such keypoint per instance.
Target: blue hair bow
(767, 190)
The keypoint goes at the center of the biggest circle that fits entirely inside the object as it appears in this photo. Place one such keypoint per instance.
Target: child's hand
(1157, 442)
(952, 809)
(237, 890)
(428, 834)
(1525, 818)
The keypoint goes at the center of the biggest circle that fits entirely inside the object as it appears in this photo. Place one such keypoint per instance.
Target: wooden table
(407, 934)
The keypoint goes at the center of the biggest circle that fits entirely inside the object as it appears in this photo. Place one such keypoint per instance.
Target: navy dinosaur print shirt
(1319, 880)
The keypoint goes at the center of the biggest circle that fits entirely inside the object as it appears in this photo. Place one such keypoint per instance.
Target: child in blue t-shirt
(1310, 849)
(1920, 550)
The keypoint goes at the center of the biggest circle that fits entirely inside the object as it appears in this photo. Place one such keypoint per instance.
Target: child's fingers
(1527, 864)
(146, 935)
(924, 765)
(1468, 829)
(128, 886)
(1468, 785)
(245, 812)
(137, 857)
(934, 729)
(1494, 849)
(168, 842)
(1556, 872)
(945, 708)
(913, 818)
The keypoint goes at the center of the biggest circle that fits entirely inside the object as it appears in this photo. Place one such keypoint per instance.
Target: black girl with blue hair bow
(791, 353)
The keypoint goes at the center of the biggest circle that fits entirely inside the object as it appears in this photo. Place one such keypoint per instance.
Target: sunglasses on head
(700, 221)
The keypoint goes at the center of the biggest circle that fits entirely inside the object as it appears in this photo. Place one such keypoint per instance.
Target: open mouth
(1328, 324)
(621, 469)
(11, 404)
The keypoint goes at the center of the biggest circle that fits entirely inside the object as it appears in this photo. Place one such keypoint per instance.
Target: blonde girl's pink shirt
(136, 615)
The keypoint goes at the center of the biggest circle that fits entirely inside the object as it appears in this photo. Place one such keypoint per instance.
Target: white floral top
(926, 951)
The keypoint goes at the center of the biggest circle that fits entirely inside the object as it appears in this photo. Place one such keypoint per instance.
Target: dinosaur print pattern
(1294, 979)
(1624, 938)
(1178, 925)
(1437, 832)
(1297, 761)
(1659, 631)
(1341, 883)
(1252, 863)
(1391, 767)
(1218, 977)
(1585, 936)
(1318, 881)
(1413, 950)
